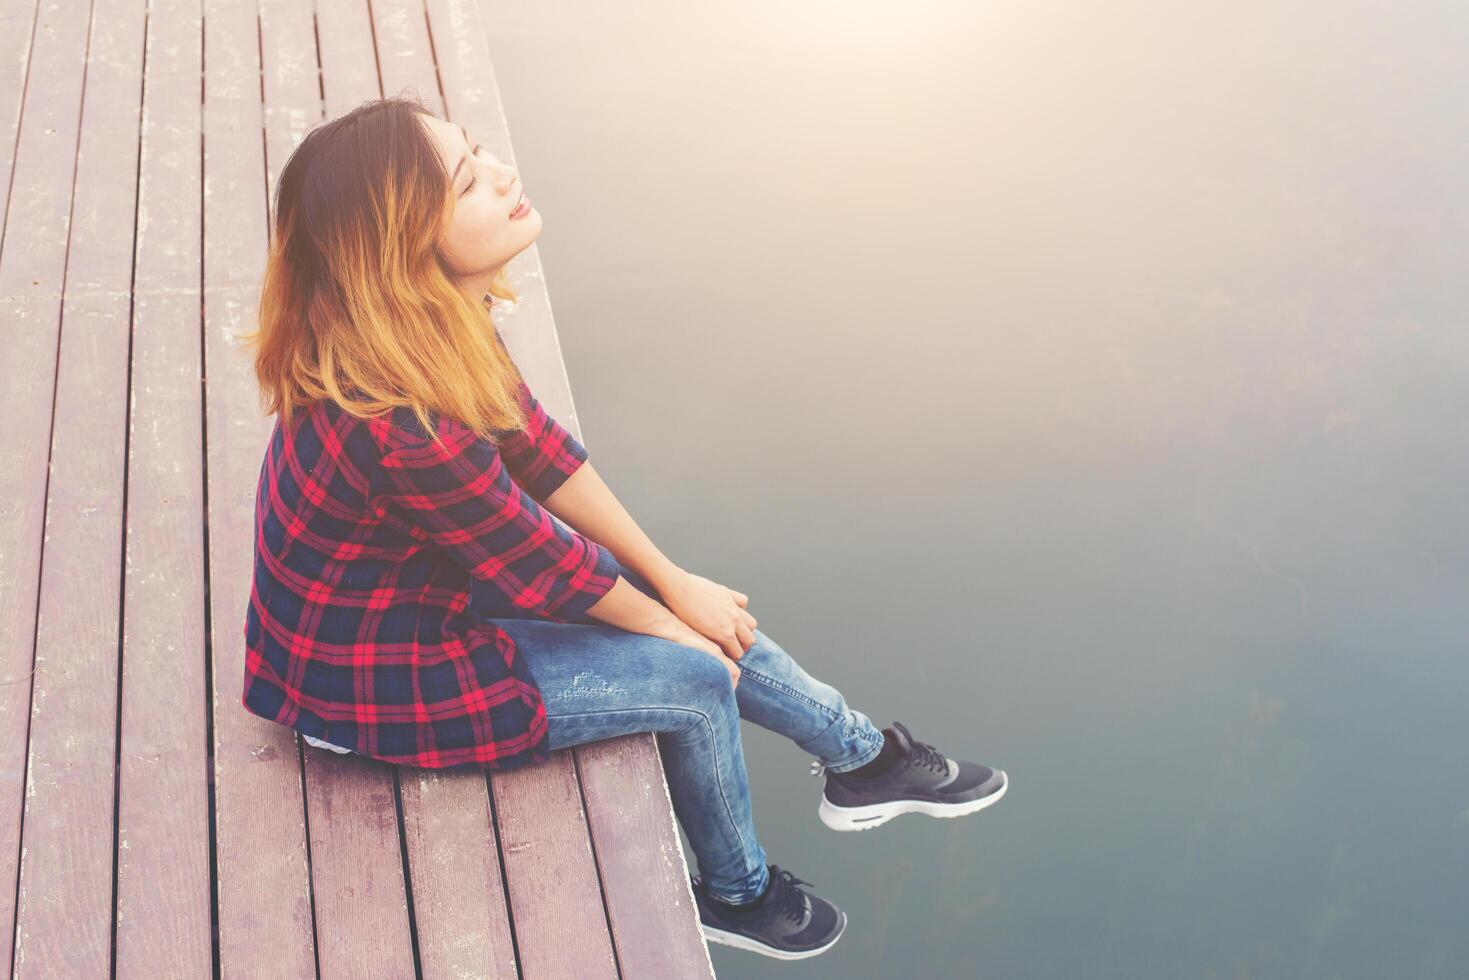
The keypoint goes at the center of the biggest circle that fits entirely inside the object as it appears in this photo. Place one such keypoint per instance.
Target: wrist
(665, 576)
(663, 624)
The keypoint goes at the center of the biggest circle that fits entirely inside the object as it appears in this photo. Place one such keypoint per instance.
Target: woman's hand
(714, 612)
(680, 632)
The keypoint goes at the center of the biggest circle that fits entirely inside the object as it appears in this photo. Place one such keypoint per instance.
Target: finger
(740, 598)
(745, 618)
(731, 644)
(747, 637)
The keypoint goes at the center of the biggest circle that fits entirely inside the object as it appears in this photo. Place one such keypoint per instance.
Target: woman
(415, 601)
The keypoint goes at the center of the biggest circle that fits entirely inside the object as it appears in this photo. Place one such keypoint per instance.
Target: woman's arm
(544, 457)
(709, 609)
(587, 504)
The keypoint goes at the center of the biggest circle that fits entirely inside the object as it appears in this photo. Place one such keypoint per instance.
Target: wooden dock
(149, 825)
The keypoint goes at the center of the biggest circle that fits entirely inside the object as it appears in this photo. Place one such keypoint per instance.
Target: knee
(699, 680)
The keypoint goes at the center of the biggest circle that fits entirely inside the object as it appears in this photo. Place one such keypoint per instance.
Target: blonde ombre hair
(356, 304)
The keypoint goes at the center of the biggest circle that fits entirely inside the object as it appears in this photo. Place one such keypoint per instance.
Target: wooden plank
(25, 443)
(356, 867)
(404, 56)
(359, 891)
(348, 59)
(560, 926)
(645, 880)
(265, 919)
(291, 85)
(458, 898)
(16, 21)
(63, 903)
(164, 895)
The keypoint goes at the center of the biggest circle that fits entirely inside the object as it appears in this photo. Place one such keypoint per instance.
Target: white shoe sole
(877, 814)
(745, 942)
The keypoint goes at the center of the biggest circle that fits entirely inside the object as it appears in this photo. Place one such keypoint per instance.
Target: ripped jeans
(598, 681)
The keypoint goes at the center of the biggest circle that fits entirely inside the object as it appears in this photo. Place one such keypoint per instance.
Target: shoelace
(923, 754)
(785, 898)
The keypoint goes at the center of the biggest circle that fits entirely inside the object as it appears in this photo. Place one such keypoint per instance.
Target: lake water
(1085, 386)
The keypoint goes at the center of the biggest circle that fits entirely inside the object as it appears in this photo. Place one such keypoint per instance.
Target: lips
(515, 211)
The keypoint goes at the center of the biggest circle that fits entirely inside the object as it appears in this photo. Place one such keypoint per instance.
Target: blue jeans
(598, 681)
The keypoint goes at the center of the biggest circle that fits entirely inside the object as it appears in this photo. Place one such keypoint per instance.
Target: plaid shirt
(359, 630)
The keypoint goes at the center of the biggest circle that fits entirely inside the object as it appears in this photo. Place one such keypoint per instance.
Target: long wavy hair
(357, 305)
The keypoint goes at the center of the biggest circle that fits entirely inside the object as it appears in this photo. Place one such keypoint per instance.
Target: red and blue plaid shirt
(359, 630)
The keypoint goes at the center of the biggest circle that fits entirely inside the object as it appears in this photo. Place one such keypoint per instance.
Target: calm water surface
(1086, 386)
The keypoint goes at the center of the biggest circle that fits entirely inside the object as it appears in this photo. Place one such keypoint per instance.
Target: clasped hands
(711, 618)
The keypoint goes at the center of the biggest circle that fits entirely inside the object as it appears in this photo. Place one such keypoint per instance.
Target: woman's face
(485, 230)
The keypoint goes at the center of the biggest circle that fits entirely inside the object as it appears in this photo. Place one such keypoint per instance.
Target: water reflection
(1083, 385)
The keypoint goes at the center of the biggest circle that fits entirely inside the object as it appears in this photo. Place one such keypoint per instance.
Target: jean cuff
(750, 893)
(861, 760)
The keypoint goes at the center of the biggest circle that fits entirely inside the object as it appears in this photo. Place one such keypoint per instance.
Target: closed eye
(472, 178)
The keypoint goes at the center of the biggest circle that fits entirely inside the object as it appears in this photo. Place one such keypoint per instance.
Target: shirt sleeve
(461, 498)
(543, 455)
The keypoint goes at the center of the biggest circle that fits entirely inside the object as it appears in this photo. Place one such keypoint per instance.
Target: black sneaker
(788, 923)
(920, 780)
